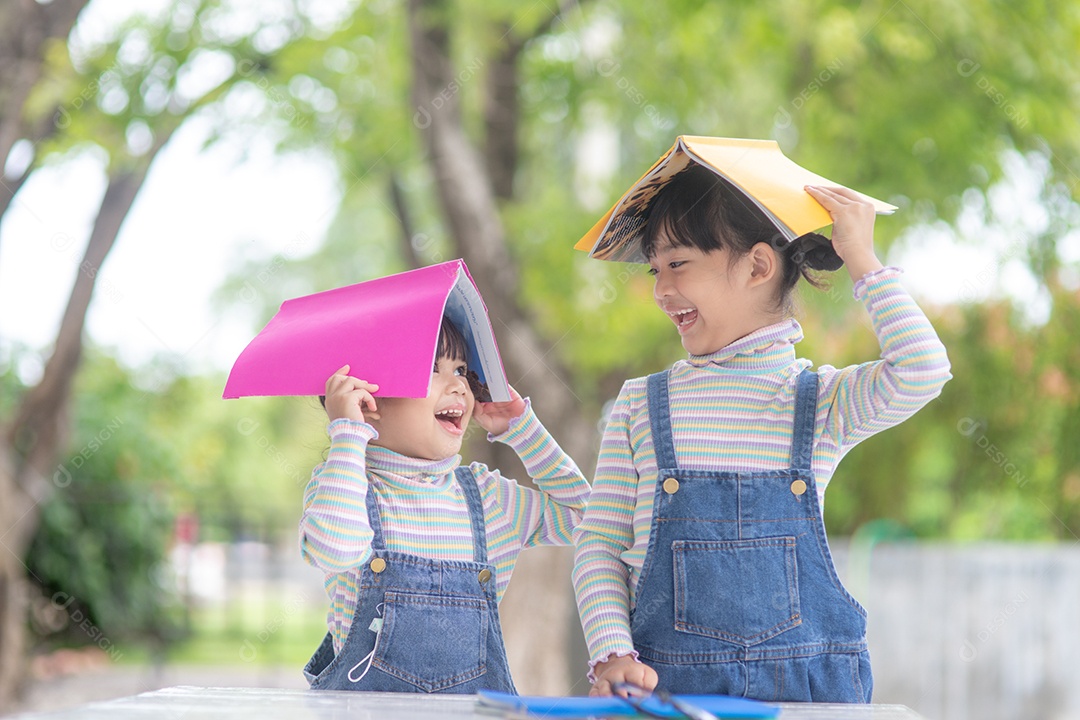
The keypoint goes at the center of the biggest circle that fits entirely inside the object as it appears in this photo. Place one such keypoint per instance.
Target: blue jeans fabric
(440, 621)
(738, 594)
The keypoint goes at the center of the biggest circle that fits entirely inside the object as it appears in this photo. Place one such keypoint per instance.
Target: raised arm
(335, 534)
(524, 516)
(914, 366)
(868, 398)
(601, 578)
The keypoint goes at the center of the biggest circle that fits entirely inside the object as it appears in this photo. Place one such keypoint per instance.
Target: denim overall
(738, 594)
(421, 625)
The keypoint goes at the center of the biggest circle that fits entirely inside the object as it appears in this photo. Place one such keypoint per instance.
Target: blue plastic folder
(722, 706)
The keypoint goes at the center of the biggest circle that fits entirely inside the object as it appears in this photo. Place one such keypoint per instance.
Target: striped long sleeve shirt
(423, 510)
(734, 410)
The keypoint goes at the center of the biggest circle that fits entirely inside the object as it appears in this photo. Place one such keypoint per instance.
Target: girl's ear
(764, 264)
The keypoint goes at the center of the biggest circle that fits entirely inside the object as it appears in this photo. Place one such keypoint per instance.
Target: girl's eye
(458, 370)
(676, 263)
(652, 271)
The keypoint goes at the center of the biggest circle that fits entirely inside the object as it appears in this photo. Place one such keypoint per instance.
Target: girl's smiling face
(432, 427)
(718, 274)
(707, 295)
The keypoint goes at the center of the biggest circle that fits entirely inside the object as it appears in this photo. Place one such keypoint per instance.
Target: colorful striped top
(734, 410)
(423, 510)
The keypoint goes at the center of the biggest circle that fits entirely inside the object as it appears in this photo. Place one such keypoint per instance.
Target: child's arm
(601, 578)
(520, 515)
(867, 398)
(335, 534)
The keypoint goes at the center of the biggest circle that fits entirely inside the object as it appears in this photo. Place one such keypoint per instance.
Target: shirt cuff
(518, 426)
(346, 429)
(873, 278)
(605, 658)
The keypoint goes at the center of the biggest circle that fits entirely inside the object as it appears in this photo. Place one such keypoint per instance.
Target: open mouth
(684, 319)
(450, 419)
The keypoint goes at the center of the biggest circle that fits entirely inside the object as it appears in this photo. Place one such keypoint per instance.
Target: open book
(386, 329)
(756, 168)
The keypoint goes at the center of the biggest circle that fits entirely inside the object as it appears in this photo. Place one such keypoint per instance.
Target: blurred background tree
(123, 101)
(499, 133)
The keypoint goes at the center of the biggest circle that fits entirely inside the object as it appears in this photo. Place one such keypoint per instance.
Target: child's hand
(346, 397)
(622, 669)
(853, 227)
(495, 417)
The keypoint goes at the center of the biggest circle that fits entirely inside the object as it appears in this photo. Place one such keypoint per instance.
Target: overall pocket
(741, 591)
(433, 641)
(320, 659)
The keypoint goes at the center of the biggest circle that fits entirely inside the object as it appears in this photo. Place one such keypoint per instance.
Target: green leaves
(141, 457)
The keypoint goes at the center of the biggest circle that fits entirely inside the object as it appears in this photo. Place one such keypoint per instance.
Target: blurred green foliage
(996, 455)
(149, 445)
(917, 102)
(100, 547)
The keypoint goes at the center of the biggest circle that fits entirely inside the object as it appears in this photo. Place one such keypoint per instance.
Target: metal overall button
(484, 575)
(798, 487)
(671, 486)
(377, 565)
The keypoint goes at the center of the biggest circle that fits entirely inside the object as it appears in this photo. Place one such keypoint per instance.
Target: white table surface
(187, 702)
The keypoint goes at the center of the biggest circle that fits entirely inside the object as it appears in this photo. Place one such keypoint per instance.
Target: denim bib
(738, 594)
(420, 625)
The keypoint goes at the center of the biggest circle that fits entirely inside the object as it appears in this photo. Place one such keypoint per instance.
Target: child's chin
(696, 346)
(692, 348)
(451, 448)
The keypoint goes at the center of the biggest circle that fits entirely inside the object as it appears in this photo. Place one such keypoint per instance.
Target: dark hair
(452, 345)
(698, 209)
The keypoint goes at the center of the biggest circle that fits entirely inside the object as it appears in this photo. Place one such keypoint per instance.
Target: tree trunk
(9, 187)
(26, 26)
(38, 434)
(501, 115)
(13, 606)
(539, 645)
(409, 250)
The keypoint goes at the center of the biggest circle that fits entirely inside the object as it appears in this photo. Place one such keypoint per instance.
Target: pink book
(386, 329)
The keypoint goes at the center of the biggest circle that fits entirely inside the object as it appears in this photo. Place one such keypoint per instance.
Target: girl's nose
(662, 288)
(458, 384)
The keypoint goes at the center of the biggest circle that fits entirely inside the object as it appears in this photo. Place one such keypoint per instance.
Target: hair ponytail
(805, 257)
(816, 252)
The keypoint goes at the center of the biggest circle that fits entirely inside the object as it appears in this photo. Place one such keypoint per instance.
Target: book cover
(386, 329)
(756, 168)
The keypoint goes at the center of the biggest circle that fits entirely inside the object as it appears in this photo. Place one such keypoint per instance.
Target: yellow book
(757, 168)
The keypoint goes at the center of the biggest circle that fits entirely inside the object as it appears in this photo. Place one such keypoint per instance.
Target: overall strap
(802, 439)
(660, 420)
(471, 490)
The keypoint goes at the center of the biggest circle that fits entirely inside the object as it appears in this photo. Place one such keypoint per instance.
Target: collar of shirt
(769, 348)
(411, 472)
